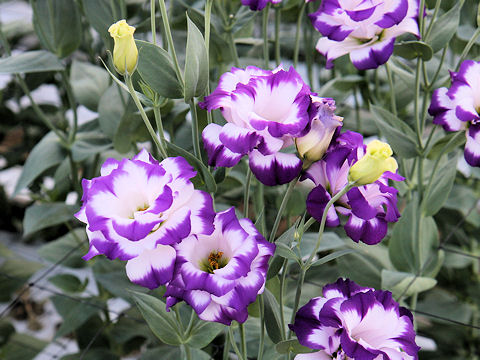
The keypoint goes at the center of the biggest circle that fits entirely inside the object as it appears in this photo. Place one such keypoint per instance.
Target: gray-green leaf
(196, 63)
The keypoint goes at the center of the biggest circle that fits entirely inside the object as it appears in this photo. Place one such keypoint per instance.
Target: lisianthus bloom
(137, 209)
(265, 111)
(458, 108)
(369, 207)
(220, 274)
(125, 53)
(364, 29)
(354, 322)
(324, 123)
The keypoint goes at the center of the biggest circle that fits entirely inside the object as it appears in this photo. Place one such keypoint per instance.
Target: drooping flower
(458, 108)
(220, 274)
(377, 160)
(324, 123)
(369, 207)
(125, 53)
(137, 209)
(364, 29)
(354, 322)
(265, 111)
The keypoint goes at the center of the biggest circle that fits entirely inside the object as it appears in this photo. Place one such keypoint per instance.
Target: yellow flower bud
(373, 164)
(125, 53)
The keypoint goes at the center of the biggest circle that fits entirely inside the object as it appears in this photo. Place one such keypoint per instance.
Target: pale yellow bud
(373, 164)
(125, 53)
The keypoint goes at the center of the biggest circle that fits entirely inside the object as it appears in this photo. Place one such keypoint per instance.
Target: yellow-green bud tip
(125, 53)
(373, 164)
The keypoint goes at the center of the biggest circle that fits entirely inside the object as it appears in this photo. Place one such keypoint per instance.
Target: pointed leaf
(445, 27)
(30, 62)
(196, 63)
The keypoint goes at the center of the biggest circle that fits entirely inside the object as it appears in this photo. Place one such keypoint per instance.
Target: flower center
(140, 208)
(214, 261)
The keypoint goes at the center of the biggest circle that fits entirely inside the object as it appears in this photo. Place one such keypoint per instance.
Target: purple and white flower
(220, 274)
(369, 208)
(458, 108)
(354, 322)
(265, 111)
(365, 29)
(137, 209)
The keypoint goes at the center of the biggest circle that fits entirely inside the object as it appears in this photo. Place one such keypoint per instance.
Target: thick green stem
(246, 192)
(298, 294)
(283, 205)
(153, 27)
(278, 17)
(393, 102)
(261, 345)
(296, 48)
(168, 33)
(243, 340)
(418, 123)
(266, 53)
(151, 131)
(260, 207)
(195, 134)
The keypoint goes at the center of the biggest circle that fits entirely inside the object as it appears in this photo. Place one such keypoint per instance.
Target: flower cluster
(458, 108)
(369, 206)
(364, 29)
(149, 214)
(354, 322)
(266, 111)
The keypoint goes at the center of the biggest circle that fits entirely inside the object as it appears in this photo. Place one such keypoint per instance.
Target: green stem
(171, 48)
(281, 297)
(296, 49)
(432, 21)
(234, 343)
(467, 48)
(324, 220)
(421, 19)
(393, 102)
(179, 319)
(158, 122)
(260, 207)
(128, 80)
(309, 223)
(266, 53)
(188, 352)
(195, 135)
(304, 267)
(233, 48)
(208, 15)
(442, 59)
(278, 16)
(190, 324)
(416, 110)
(246, 193)
(243, 340)
(261, 345)
(152, 22)
(283, 205)
(73, 106)
(420, 179)
(226, 347)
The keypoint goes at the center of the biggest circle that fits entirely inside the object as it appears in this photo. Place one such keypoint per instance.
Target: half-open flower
(354, 322)
(265, 111)
(369, 207)
(138, 208)
(324, 123)
(364, 29)
(458, 108)
(220, 274)
(125, 53)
